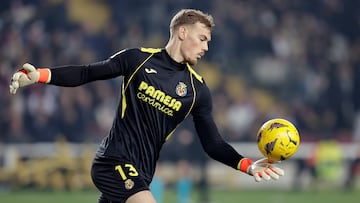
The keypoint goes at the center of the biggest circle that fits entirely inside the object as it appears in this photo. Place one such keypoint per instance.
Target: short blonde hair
(189, 17)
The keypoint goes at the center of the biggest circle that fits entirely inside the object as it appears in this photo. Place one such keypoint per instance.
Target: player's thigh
(141, 197)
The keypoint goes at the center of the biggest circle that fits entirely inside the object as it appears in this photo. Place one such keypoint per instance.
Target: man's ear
(182, 32)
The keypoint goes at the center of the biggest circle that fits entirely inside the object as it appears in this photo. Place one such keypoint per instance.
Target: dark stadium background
(298, 59)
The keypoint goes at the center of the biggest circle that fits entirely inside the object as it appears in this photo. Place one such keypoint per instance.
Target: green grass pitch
(216, 196)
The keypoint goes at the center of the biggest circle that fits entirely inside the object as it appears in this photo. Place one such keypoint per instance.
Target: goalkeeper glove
(29, 75)
(260, 169)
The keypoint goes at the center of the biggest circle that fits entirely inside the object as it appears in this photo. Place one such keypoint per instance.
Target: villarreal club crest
(181, 89)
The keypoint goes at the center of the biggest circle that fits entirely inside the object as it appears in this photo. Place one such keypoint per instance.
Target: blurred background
(294, 59)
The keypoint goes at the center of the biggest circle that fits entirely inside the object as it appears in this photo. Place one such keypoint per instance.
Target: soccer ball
(278, 139)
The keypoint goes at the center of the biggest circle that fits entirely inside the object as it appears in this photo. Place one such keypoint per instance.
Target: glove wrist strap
(244, 164)
(44, 75)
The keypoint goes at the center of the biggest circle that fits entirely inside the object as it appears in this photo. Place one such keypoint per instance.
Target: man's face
(195, 42)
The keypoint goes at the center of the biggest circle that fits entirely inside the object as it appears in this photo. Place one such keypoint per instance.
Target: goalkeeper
(160, 89)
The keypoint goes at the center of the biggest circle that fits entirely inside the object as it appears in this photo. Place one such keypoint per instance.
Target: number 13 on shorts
(126, 170)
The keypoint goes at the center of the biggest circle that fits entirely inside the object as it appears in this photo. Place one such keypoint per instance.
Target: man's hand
(260, 169)
(28, 75)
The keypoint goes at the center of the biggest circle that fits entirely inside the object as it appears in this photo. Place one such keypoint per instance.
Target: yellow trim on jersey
(123, 103)
(191, 107)
(150, 50)
(192, 71)
(169, 135)
(194, 97)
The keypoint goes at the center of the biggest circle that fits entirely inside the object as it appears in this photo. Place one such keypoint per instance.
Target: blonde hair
(189, 17)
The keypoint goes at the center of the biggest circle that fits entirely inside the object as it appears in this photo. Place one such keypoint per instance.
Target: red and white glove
(29, 75)
(260, 169)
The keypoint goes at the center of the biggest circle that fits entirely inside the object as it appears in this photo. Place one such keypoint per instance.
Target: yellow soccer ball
(278, 139)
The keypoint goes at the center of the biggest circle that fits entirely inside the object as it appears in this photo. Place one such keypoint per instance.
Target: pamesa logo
(158, 99)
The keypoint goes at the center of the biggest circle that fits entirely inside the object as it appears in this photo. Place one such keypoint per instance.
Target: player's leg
(140, 197)
(118, 181)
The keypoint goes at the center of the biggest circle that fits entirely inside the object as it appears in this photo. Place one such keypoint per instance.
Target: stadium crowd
(276, 58)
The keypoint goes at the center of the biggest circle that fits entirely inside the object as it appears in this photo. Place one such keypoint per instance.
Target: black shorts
(117, 180)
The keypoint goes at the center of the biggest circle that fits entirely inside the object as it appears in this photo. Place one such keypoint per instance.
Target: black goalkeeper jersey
(157, 95)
